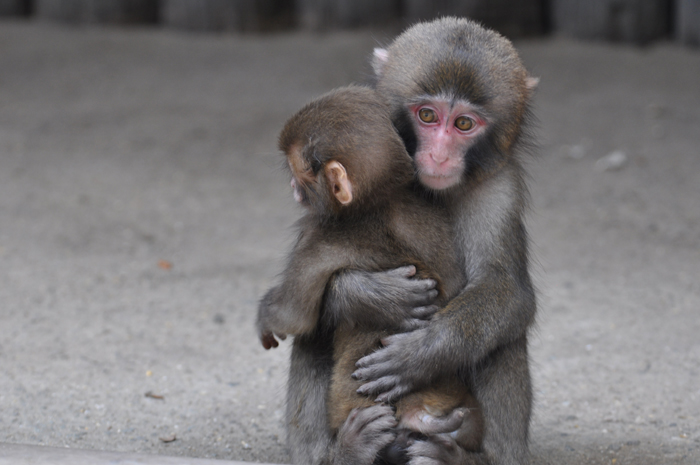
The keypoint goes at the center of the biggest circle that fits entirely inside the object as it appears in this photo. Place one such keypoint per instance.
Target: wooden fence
(636, 21)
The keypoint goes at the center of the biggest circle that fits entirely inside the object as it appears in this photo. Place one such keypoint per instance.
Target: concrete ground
(143, 212)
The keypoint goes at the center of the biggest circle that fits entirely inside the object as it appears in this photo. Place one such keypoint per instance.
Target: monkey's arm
(293, 306)
(495, 308)
(380, 299)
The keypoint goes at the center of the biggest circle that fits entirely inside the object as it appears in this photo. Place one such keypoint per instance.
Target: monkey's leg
(502, 386)
(308, 433)
(361, 437)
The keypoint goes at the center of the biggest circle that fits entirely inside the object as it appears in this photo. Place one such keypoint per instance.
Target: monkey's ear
(531, 84)
(379, 59)
(339, 182)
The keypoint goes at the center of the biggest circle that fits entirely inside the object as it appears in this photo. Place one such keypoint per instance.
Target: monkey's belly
(437, 401)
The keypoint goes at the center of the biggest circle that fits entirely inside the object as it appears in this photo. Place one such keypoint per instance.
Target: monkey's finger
(413, 324)
(379, 386)
(406, 339)
(437, 449)
(281, 336)
(391, 396)
(380, 418)
(385, 361)
(360, 418)
(374, 358)
(404, 271)
(444, 440)
(418, 286)
(420, 298)
(429, 453)
(268, 341)
(366, 374)
(422, 460)
(429, 424)
(424, 313)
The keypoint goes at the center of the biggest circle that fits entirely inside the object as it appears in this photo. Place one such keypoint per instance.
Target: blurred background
(637, 21)
(144, 211)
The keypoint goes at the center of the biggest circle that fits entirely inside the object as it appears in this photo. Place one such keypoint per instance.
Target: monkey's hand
(440, 449)
(266, 316)
(365, 432)
(390, 299)
(269, 339)
(406, 363)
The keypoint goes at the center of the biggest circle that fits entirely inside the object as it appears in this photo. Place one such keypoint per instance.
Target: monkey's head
(343, 152)
(458, 94)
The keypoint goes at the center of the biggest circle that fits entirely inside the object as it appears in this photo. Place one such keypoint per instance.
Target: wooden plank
(12, 7)
(688, 22)
(97, 11)
(514, 19)
(204, 15)
(226, 15)
(328, 14)
(638, 21)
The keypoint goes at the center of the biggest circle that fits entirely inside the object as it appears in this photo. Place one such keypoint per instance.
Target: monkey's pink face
(445, 131)
(299, 194)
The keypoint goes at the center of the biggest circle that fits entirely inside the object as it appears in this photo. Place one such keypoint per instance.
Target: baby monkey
(351, 170)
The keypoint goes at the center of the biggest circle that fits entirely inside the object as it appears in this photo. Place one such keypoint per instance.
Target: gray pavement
(143, 212)
(21, 454)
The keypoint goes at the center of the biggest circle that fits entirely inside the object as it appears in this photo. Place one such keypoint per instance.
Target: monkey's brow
(448, 98)
(422, 98)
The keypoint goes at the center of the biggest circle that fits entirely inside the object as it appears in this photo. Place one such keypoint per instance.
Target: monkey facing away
(350, 168)
(458, 95)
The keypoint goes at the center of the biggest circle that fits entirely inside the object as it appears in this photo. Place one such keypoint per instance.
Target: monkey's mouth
(438, 182)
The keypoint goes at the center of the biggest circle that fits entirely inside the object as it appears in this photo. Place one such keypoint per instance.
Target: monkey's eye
(465, 123)
(427, 115)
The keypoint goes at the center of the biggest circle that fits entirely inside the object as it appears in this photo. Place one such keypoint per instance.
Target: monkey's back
(409, 231)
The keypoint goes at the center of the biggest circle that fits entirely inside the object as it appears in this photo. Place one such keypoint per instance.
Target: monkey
(459, 97)
(350, 169)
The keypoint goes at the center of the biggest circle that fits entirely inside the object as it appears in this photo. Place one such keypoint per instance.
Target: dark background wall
(635, 21)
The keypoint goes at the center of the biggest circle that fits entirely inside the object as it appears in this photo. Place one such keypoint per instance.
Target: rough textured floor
(143, 212)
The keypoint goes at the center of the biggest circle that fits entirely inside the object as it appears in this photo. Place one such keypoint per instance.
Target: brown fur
(482, 333)
(384, 227)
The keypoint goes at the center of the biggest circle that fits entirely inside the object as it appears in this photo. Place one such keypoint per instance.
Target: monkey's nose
(438, 157)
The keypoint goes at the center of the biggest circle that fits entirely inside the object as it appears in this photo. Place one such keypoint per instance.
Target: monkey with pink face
(459, 98)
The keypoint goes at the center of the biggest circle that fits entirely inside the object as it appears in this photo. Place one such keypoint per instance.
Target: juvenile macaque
(350, 168)
(458, 95)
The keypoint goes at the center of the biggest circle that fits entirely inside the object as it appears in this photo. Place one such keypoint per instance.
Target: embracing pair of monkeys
(407, 291)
